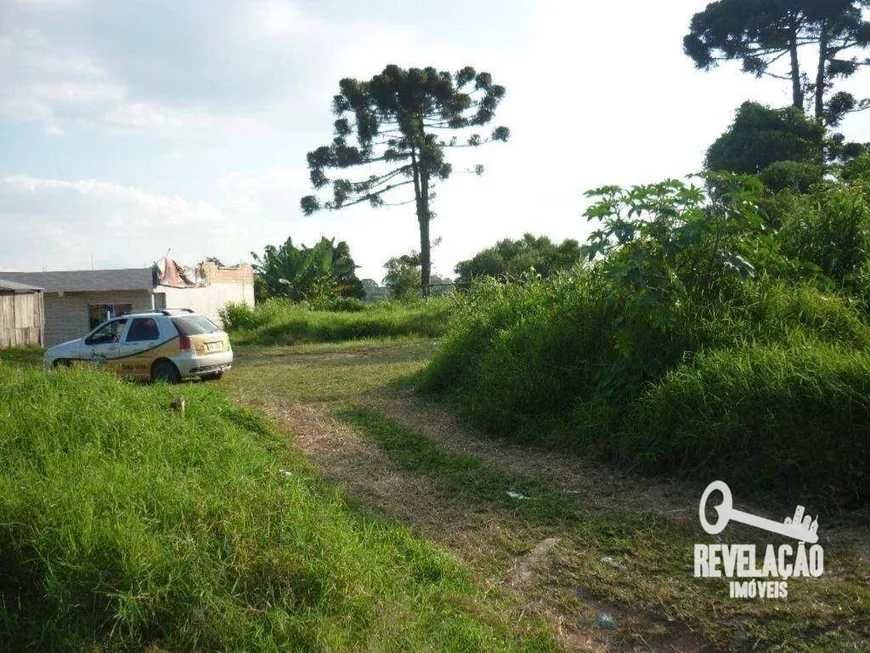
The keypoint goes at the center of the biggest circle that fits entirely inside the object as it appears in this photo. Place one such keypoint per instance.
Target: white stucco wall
(207, 300)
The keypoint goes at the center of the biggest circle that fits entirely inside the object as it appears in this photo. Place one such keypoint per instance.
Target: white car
(161, 345)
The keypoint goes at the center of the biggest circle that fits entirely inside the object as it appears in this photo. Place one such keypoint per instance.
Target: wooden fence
(22, 320)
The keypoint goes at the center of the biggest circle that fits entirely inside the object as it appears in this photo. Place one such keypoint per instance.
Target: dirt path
(575, 475)
(369, 476)
(520, 560)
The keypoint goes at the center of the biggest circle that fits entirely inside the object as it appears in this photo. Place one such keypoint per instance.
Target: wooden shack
(22, 315)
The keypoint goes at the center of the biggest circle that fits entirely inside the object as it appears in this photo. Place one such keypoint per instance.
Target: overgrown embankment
(692, 346)
(768, 389)
(127, 525)
(282, 322)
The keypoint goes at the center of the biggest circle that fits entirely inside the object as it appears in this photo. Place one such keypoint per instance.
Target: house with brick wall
(77, 301)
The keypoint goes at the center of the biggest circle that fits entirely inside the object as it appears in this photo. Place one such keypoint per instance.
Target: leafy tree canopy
(511, 258)
(306, 272)
(857, 170)
(396, 126)
(403, 278)
(761, 136)
(763, 33)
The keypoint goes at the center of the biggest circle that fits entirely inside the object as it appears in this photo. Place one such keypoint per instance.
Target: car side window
(108, 333)
(143, 328)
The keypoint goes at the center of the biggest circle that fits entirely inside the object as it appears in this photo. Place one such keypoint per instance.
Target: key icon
(803, 531)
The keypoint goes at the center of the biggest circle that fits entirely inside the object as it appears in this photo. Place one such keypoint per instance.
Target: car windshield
(109, 332)
(194, 325)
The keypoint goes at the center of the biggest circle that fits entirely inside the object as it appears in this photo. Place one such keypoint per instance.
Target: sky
(129, 129)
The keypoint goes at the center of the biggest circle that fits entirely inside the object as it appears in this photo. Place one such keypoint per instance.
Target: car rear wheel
(165, 371)
(62, 362)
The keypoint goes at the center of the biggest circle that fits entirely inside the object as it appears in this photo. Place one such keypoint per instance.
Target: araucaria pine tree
(395, 127)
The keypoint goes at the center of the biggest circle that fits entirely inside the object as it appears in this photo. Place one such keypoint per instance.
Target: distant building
(78, 301)
(22, 318)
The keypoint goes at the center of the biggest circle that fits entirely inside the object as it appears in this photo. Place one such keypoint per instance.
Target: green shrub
(127, 526)
(237, 316)
(829, 228)
(509, 259)
(677, 272)
(792, 175)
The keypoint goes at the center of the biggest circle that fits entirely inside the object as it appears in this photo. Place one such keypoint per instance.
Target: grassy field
(620, 544)
(278, 322)
(127, 525)
(220, 529)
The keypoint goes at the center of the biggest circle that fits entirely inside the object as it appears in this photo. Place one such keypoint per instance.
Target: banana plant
(306, 273)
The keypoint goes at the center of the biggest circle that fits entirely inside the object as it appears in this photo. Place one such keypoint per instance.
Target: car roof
(168, 312)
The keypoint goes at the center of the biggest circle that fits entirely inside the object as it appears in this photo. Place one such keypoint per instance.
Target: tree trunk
(797, 93)
(423, 217)
(421, 195)
(820, 73)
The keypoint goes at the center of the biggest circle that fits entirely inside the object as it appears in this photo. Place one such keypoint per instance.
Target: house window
(99, 313)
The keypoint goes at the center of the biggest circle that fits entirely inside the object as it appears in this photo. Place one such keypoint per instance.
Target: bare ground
(529, 564)
(573, 474)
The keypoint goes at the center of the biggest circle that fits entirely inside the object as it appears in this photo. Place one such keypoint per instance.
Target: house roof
(16, 287)
(86, 280)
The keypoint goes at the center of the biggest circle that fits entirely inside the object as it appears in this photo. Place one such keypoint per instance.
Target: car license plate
(213, 346)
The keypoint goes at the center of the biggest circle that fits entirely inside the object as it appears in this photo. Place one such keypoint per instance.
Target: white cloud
(76, 93)
(47, 3)
(143, 115)
(277, 19)
(60, 223)
(121, 202)
(41, 79)
(269, 191)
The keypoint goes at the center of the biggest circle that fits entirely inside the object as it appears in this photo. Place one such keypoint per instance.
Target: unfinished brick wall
(242, 273)
(225, 285)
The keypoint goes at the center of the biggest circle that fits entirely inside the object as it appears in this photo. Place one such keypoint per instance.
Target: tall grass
(761, 415)
(126, 525)
(282, 322)
(753, 379)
